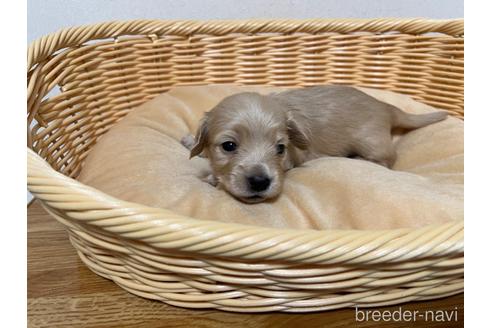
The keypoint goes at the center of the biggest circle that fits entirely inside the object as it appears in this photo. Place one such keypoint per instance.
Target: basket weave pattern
(103, 71)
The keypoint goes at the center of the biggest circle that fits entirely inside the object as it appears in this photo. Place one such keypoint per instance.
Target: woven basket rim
(45, 45)
(78, 196)
(164, 229)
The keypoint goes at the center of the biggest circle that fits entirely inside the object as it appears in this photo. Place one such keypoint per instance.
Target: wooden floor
(62, 292)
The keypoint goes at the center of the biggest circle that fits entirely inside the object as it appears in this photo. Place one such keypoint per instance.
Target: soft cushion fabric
(141, 160)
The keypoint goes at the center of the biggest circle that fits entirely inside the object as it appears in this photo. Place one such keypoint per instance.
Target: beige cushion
(141, 160)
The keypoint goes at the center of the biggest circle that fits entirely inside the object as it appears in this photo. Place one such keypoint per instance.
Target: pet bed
(142, 160)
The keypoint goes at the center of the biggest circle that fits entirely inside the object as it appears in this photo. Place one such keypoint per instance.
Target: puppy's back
(337, 99)
(348, 105)
(334, 116)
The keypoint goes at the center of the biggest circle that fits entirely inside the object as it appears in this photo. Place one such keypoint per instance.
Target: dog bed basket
(82, 80)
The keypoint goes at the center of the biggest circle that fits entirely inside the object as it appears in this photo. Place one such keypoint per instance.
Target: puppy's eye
(280, 149)
(229, 146)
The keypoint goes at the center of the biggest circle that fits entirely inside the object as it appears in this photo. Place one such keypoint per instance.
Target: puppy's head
(248, 138)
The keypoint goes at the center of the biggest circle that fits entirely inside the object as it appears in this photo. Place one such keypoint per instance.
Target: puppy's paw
(211, 179)
(188, 141)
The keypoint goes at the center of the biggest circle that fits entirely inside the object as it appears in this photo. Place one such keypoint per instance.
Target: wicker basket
(105, 70)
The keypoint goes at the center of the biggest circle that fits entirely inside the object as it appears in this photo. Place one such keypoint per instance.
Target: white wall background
(47, 16)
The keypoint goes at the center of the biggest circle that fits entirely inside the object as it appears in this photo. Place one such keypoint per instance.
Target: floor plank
(62, 292)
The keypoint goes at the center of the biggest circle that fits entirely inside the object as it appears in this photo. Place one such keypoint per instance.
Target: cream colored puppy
(252, 139)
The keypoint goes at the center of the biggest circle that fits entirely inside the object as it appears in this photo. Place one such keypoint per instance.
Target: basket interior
(78, 93)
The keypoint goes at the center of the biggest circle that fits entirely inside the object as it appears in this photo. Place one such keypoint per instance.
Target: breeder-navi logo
(406, 315)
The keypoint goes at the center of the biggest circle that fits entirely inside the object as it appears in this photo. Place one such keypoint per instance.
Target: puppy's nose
(259, 182)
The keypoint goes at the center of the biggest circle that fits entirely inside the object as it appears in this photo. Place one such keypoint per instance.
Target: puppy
(252, 139)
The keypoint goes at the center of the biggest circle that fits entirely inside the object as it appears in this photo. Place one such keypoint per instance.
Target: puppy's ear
(200, 138)
(296, 135)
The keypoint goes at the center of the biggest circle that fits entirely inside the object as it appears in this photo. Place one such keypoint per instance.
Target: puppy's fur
(309, 123)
